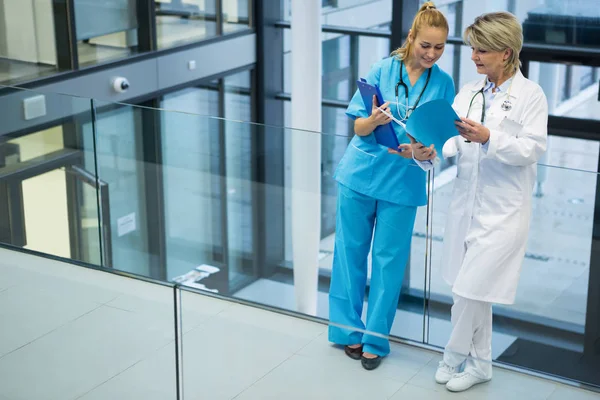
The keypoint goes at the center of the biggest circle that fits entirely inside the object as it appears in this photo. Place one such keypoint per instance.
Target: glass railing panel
(51, 202)
(83, 333)
(249, 351)
(120, 163)
(554, 315)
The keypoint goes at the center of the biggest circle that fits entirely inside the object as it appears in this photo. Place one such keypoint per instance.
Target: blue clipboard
(433, 123)
(384, 134)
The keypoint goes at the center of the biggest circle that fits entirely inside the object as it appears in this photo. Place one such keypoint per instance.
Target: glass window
(27, 44)
(365, 14)
(236, 15)
(185, 21)
(105, 30)
(179, 22)
(571, 90)
(345, 59)
(559, 22)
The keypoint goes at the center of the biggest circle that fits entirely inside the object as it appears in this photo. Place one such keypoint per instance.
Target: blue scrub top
(366, 166)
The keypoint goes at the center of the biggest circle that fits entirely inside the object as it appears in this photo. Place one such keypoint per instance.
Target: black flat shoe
(354, 354)
(370, 363)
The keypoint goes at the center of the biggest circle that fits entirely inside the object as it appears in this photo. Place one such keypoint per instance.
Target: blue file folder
(433, 123)
(384, 134)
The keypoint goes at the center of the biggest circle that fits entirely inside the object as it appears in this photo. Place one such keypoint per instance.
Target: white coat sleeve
(425, 165)
(526, 146)
(452, 145)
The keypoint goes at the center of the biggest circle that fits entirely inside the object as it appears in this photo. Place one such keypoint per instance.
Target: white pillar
(306, 150)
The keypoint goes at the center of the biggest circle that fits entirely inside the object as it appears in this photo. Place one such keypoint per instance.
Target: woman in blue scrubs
(379, 190)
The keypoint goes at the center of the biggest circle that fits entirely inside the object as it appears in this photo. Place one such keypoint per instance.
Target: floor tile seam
(554, 391)
(311, 341)
(142, 359)
(108, 379)
(264, 376)
(203, 323)
(397, 391)
(53, 330)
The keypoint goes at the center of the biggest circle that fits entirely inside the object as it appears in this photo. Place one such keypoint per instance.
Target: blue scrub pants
(355, 221)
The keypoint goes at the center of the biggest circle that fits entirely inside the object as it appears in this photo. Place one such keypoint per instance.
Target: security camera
(120, 85)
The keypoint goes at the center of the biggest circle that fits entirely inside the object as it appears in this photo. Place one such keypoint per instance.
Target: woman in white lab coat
(503, 134)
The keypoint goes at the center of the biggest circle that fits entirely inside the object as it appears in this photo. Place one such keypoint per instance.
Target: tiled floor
(74, 333)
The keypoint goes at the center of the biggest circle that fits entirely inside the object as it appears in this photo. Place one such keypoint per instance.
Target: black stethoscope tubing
(401, 83)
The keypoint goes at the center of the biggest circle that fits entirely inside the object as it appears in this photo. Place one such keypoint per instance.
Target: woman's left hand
(473, 131)
(404, 150)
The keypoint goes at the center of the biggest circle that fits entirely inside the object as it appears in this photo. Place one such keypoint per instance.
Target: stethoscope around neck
(408, 109)
(505, 106)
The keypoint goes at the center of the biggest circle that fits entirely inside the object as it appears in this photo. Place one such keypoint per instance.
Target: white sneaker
(463, 381)
(444, 373)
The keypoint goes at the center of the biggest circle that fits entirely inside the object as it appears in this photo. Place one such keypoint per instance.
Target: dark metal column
(146, 16)
(12, 213)
(154, 188)
(268, 143)
(71, 140)
(219, 15)
(591, 346)
(221, 203)
(65, 35)
(403, 13)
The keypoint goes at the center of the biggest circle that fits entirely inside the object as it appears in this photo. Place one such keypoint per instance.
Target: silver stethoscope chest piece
(506, 105)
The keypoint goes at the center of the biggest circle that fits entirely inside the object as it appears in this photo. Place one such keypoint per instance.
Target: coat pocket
(499, 209)
(355, 169)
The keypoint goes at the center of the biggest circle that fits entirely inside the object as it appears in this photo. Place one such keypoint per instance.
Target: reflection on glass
(235, 15)
(548, 320)
(117, 145)
(184, 21)
(105, 30)
(192, 182)
(27, 43)
(336, 125)
(559, 22)
(563, 22)
(240, 173)
(571, 90)
(49, 199)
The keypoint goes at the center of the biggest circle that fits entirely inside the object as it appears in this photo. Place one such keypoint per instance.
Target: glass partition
(117, 146)
(551, 327)
(213, 205)
(83, 333)
(179, 22)
(557, 22)
(51, 200)
(106, 30)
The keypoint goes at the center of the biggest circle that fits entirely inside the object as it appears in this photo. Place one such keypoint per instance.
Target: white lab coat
(488, 220)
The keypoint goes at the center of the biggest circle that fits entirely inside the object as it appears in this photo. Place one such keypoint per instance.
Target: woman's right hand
(377, 117)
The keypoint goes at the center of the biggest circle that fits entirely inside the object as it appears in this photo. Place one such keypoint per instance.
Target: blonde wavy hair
(497, 31)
